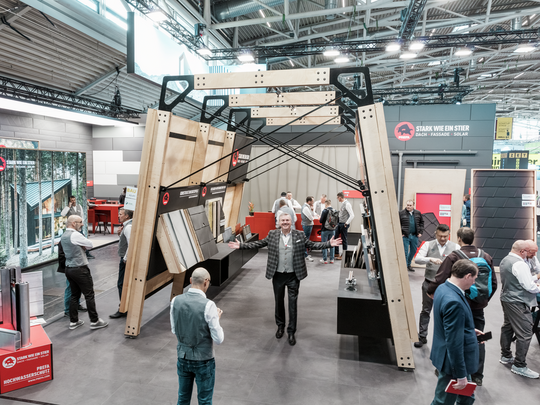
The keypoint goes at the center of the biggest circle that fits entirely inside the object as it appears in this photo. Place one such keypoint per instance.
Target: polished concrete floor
(253, 367)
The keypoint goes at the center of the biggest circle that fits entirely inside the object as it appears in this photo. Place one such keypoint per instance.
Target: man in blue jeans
(195, 322)
(412, 227)
(327, 233)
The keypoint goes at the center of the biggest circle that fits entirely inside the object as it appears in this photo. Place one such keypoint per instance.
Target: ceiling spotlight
(342, 59)
(416, 46)
(204, 51)
(393, 46)
(331, 52)
(414, 99)
(463, 52)
(525, 48)
(246, 57)
(458, 99)
(407, 55)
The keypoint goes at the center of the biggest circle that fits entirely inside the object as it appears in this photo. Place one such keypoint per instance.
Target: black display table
(226, 263)
(363, 313)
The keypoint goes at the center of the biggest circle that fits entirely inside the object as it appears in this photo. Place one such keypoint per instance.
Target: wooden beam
(225, 164)
(199, 154)
(274, 99)
(178, 284)
(304, 121)
(285, 112)
(214, 151)
(158, 281)
(271, 78)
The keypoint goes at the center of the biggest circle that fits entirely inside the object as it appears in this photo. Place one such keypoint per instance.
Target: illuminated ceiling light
(407, 55)
(262, 14)
(291, 62)
(246, 57)
(463, 52)
(204, 51)
(342, 59)
(416, 46)
(525, 48)
(157, 16)
(392, 47)
(331, 52)
(59, 113)
(267, 23)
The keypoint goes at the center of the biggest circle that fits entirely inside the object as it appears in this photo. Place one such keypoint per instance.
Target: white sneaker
(99, 324)
(525, 372)
(309, 258)
(75, 325)
(323, 261)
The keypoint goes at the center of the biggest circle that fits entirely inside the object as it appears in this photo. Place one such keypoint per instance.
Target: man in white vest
(195, 322)
(432, 254)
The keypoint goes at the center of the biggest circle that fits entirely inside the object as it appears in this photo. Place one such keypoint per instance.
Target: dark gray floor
(103, 367)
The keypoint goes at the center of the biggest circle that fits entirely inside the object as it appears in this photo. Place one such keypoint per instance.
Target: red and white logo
(235, 158)
(9, 362)
(2, 164)
(404, 131)
(204, 191)
(165, 198)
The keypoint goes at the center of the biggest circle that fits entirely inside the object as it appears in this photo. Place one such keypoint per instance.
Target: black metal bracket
(350, 94)
(207, 119)
(246, 121)
(163, 106)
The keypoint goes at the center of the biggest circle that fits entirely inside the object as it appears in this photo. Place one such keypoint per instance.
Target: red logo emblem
(204, 191)
(165, 198)
(404, 131)
(2, 164)
(235, 158)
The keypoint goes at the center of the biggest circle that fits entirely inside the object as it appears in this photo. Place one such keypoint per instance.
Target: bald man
(518, 295)
(532, 260)
(195, 322)
(78, 274)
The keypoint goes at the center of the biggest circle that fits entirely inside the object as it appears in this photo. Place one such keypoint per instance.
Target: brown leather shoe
(338, 257)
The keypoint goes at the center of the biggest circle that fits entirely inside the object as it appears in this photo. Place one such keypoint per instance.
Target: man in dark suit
(412, 227)
(455, 347)
(286, 266)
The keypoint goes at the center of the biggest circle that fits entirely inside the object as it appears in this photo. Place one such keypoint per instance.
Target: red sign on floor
(27, 366)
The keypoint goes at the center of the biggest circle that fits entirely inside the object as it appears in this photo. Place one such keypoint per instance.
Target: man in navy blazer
(286, 266)
(455, 346)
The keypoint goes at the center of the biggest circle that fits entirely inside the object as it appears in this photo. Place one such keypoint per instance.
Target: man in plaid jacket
(286, 266)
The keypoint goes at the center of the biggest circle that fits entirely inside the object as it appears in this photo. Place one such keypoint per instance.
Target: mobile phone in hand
(484, 337)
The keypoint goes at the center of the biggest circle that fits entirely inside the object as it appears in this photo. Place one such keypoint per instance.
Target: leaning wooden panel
(384, 215)
(429, 181)
(304, 121)
(392, 198)
(273, 99)
(235, 209)
(182, 136)
(284, 112)
(199, 154)
(214, 151)
(225, 163)
(145, 220)
(271, 78)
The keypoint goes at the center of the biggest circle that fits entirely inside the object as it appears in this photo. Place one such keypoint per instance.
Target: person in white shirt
(319, 205)
(518, 295)
(284, 208)
(346, 215)
(432, 254)
(294, 203)
(308, 216)
(275, 206)
(195, 322)
(74, 209)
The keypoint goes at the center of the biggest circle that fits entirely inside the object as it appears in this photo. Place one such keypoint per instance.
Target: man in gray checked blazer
(286, 266)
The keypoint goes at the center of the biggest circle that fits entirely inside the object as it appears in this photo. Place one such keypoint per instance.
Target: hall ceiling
(81, 52)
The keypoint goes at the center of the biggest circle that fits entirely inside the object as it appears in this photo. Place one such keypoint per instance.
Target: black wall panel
(498, 216)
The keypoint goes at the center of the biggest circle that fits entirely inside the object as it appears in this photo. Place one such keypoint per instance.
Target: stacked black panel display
(499, 216)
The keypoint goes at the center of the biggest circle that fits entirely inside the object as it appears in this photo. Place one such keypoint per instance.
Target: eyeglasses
(207, 279)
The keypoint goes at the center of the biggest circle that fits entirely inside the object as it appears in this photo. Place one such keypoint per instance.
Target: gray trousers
(427, 305)
(518, 321)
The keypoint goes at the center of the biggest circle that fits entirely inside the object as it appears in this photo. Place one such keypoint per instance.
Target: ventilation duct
(230, 9)
(516, 24)
(329, 4)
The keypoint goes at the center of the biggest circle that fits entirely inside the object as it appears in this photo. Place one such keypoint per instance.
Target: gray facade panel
(127, 179)
(435, 143)
(391, 113)
(483, 112)
(440, 112)
(128, 143)
(132, 155)
(106, 191)
(478, 143)
(102, 144)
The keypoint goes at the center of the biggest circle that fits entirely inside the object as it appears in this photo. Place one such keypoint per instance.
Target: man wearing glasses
(195, 322)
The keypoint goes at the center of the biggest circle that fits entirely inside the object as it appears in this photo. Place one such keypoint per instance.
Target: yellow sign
(504, 128)
(534, 158)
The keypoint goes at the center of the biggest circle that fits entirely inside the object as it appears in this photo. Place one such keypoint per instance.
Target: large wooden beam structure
(374, 156)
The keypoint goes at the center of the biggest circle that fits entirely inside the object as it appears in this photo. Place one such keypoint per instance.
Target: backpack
(481, 290)
(332, 219)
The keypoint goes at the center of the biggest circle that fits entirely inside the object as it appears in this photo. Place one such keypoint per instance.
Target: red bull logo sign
(404, 131)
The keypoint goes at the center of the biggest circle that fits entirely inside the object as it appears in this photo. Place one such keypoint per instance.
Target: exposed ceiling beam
(15, 14)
